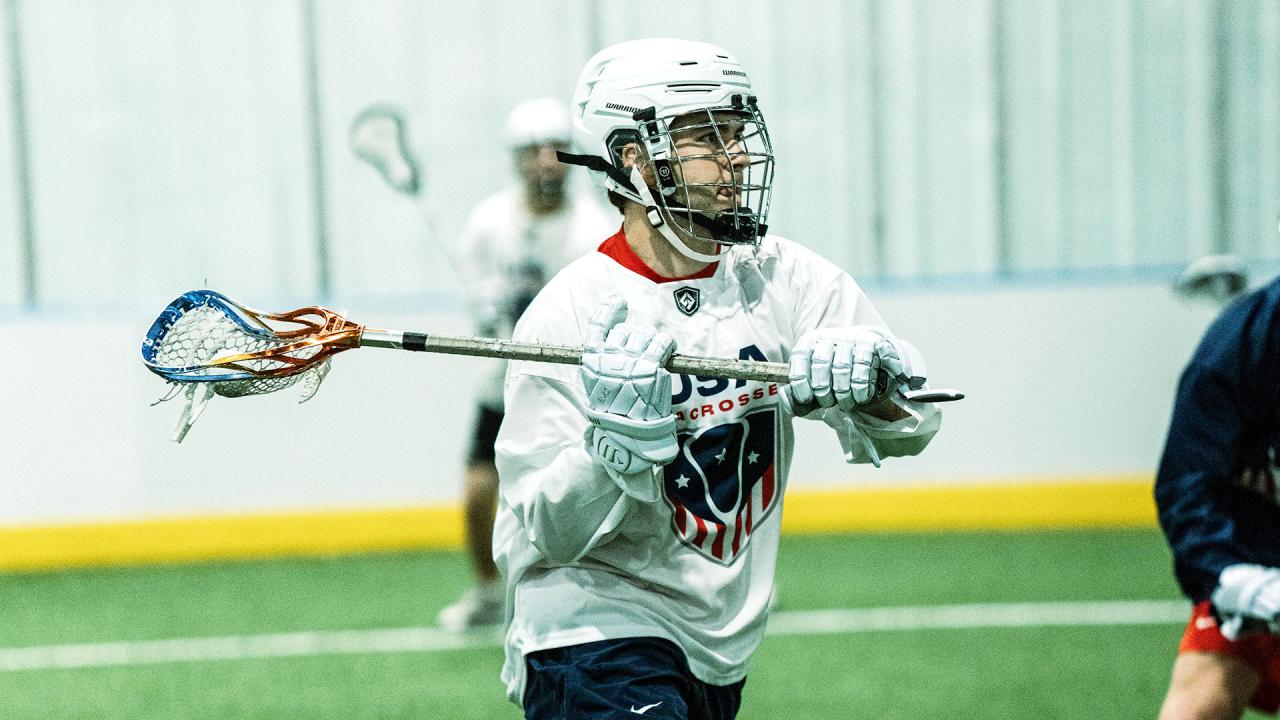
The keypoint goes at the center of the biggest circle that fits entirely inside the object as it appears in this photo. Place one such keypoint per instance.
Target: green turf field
(1084, 671)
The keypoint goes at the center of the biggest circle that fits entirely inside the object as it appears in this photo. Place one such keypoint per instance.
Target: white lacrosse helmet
(631, 92)
(538, 121)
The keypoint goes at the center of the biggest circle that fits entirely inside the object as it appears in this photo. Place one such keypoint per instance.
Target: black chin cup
(735, 227)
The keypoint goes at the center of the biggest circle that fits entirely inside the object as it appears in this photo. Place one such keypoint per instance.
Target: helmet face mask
(704, 168)
(713, 171)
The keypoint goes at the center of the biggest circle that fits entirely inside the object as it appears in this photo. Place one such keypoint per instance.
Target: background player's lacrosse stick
(207, 344)
(378, 136)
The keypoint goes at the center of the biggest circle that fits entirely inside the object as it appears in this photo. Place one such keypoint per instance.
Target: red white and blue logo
(722, 484)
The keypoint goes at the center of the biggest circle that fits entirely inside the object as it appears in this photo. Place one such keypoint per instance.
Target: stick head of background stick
(378, 137)
(207, 344)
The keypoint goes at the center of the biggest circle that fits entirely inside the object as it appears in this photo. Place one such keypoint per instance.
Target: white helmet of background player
(537, 129)
(630, 93)
(537, 122)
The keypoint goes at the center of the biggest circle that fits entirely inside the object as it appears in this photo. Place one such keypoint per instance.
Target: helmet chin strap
(634, 188)
(659, 223)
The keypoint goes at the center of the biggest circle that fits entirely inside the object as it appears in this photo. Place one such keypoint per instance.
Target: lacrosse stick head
(206, 339)
(378, 137)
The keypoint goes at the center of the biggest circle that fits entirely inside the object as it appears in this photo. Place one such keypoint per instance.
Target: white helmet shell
(631, 92)
(673, 76)
(538, 121)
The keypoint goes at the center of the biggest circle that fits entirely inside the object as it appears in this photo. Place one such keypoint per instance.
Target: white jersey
(509, 254)
(582, 560)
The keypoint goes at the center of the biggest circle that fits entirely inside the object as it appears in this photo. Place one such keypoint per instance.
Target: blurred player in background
(1219, 506)
(513, 242)
(639, 512)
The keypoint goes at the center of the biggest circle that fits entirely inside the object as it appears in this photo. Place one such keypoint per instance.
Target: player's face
(710, 151)
(539, 170)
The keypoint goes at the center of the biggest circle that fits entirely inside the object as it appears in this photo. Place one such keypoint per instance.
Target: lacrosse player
(1219, 506)
(513, 241)
(639, 511)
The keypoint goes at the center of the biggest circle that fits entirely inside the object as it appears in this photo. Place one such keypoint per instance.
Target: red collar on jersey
(617, 248)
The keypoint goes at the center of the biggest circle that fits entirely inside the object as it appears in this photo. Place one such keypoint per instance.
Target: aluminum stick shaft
(565, 355)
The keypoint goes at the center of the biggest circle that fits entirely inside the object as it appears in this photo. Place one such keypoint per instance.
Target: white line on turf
(423, 639)
(992, 615)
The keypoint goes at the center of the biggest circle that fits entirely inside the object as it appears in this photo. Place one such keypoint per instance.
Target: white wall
(1073, 379)
(1061, 380)
(170, 144)
(914, 137)
(11, 261)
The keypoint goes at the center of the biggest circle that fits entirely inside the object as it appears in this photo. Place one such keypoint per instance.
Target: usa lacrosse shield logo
(688, 299)
(722, 484)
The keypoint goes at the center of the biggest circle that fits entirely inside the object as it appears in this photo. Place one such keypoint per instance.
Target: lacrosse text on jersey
(725, 405)
(736, 393)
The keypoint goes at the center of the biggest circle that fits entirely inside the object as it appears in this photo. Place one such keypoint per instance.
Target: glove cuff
(641, 431)
(624, 458)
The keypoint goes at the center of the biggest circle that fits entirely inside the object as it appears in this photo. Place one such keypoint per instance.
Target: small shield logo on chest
(688, 299)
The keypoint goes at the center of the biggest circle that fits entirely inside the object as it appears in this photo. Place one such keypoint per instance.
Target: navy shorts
(484, 435)
(628, 678)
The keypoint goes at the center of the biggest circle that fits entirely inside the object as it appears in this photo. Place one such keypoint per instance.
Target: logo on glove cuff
(617, 457)
(688, 299)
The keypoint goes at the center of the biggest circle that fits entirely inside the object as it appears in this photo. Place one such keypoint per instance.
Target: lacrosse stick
(206, 344)
(378, 137)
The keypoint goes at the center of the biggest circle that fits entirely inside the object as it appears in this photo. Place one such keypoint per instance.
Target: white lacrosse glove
(628, 392)
(1247, 595)
(853, 368)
